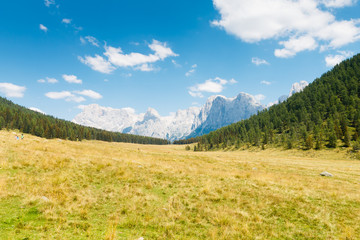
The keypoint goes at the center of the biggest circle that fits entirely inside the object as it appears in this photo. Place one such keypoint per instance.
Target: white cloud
(89, 93)
(71, 79)
(48, 3)
(265, 82)
(75, 98)
(68, 96)
(295, 45)
(48, 80)
(119, 59)
(77, 28)
(191, 71)
(138, 61)
(12, 90)
(66, 21)
(196, 94)
(36, 110)
(211, 85)
(98, 63)
(145, 68)
(299, 25)
(258, 61)
(232, 81)
(332, 60)
(259, 97)
(161, 50)
(43, 28)
(58, 95)
(176, 64)
(82, 40)
(92, 40)
(51, 80)
(338, 3)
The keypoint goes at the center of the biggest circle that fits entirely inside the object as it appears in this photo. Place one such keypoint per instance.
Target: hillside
(57, 189)
(13, 116)
(324, 114)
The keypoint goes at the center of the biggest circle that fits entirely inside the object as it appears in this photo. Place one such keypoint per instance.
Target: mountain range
(217, 112)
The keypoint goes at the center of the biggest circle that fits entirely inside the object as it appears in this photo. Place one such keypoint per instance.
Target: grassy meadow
(55, 189)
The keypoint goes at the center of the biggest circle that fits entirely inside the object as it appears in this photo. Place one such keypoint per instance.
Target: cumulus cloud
(66, 21)
(12, 90)
(92, 40)
(98, 63)
(138, 61)
(43, 28)
(299, 25)
(162, 50)
(259, 97)
(71, 79)
(332, 60)
(145, 68)
(68, 96)
(295, 45)
(116, 56)
(258, 61)
(74, 96)
(48, 80)
(58, 95)
(265, 82)
(36, 110)
(89, 93)
(191, 71)
(338, 3)
(211, 86)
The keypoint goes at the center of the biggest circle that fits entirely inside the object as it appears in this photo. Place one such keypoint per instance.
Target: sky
(59, 55)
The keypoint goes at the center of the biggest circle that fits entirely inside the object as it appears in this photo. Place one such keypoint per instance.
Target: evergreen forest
(13, 116)
(326, 114)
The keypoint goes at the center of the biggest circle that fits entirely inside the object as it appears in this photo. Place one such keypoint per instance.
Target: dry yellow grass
(53, 189)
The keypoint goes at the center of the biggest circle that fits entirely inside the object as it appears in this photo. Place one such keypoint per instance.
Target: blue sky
(56, 55)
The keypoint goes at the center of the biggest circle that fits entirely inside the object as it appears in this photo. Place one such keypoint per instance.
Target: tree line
(13, 116)
(326, 114)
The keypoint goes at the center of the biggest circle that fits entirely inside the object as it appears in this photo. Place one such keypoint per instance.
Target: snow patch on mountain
(220, 111)
(175, 126)
(298, 87)
(217, 112)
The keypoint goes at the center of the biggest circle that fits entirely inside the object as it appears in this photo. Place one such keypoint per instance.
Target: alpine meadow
(207, 119)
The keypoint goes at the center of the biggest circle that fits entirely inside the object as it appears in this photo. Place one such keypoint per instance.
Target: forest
(326, 114)
(13, 116)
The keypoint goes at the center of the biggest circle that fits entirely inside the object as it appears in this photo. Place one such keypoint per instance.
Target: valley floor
(55, 189)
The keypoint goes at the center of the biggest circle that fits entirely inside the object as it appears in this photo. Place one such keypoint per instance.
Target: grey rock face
(217, 112)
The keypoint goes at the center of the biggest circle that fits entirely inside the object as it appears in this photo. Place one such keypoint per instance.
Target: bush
(187, 148)
(356, 146)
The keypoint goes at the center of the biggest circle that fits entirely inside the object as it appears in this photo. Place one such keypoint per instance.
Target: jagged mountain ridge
(217, 112)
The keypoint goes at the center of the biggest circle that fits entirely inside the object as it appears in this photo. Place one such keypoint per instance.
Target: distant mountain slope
(325, 112)
(175, 126)
(13, 116)
(218, 111)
